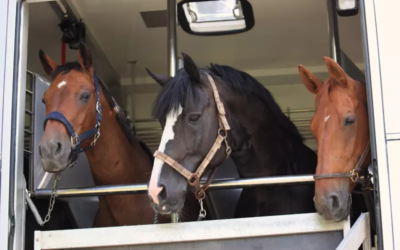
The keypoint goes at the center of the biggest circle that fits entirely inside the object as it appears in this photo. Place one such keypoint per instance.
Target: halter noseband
(354, 174)
(77, 139)
(194, 178)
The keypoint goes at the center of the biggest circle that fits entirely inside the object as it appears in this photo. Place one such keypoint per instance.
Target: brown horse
(340, 126)
(116, 158)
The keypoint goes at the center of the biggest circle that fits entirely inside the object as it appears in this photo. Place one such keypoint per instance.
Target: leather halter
(194, 178)
(354, 174)
(77, 139)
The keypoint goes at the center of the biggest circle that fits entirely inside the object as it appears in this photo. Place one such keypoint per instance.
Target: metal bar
(376, 117)
(333, 29)
(142, 188)
(131, 95)
(172, 58)
(171, 32)
(28, 152)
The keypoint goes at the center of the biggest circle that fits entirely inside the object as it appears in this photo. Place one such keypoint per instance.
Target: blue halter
(77, 139)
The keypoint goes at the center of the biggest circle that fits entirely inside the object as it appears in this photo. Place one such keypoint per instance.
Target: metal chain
(155, 218)
(52, 198)
(202, 213)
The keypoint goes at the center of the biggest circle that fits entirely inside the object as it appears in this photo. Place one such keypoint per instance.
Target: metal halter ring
(354, 174)
(194, 179)
(200, 194)
(223, 135)
(74, 141)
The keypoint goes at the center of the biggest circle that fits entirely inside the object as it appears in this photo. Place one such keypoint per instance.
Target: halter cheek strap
(77, 139)
(194, 178)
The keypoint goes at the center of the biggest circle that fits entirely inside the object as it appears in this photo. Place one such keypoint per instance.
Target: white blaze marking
(168, 134)
(61, 84)
(327, 118)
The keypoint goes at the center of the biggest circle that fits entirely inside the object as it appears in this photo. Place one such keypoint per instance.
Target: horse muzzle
(334, 206)
(54, 153)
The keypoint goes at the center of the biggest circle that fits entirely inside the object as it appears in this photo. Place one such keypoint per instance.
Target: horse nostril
(334, 201)
(163, 194)
(58, 148)
(40, 151)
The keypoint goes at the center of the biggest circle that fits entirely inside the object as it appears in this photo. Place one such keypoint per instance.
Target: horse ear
(84, 56)
(336, 71)
(160, 79)
(312, 83)
(191, 68)
(48, 65)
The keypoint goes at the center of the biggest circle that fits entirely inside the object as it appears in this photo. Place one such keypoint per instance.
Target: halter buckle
(194, 179)
(74, 141)
(355, 175)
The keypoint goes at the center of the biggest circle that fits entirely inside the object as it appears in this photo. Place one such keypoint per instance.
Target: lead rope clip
(202, 213)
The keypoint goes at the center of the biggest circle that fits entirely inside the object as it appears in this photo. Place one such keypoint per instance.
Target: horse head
(189, 117)
(71, 103)
(340, 126)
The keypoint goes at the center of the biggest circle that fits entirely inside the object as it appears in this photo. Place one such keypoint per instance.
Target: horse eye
(84, 96)
(43, 101)
(349, 120)
(194, 118)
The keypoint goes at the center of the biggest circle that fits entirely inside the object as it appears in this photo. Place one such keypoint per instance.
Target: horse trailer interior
(125, 38)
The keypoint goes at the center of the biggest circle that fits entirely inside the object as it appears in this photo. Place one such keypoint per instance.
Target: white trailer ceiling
(286, 33)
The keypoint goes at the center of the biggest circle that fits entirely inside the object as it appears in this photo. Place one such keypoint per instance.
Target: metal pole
(172, 58)
(333, 29)
(131, 95)
(171, 32)
(142, 188)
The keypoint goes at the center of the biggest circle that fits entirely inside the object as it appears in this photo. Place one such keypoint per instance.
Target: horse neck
(362, 98)
(114, 160)
(260, 145)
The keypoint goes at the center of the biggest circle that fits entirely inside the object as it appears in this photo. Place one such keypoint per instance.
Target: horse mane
(122, 119)
(242, 83)
(181, 89)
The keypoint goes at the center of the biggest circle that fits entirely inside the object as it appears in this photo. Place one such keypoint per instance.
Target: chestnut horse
(340, 126)
(77, 103)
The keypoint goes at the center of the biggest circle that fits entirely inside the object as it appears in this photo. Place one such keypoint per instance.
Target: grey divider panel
(313, 241)
(85, 208)
(299, 231)
(350, 68)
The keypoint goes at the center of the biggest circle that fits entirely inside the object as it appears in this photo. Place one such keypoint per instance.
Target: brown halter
(354, 174)
(194, 178)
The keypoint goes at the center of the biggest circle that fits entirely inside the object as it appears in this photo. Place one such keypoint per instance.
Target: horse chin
(52, 166)
(337, 217)
(168, 209)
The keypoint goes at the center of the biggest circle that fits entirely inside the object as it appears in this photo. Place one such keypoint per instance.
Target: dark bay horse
(116, 157)
(264, 142)
(340, 126)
